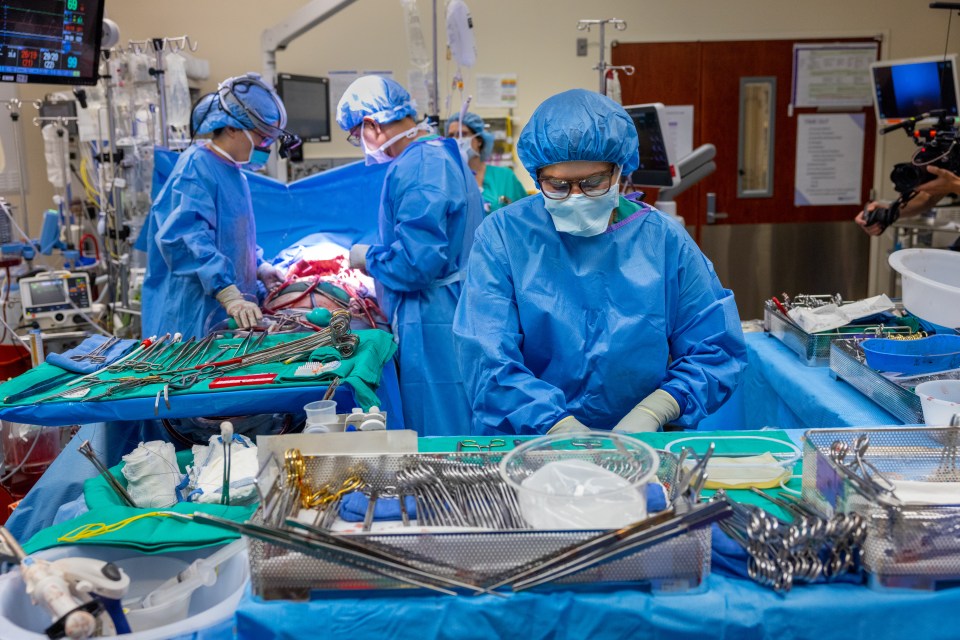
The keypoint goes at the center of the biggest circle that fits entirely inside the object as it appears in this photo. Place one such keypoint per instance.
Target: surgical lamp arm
(292, 27)
(692, 169)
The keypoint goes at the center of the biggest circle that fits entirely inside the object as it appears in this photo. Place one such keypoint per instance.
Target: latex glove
(568, 425)
(654, 411)
(246, 313)
(358, 257)
(270, 276)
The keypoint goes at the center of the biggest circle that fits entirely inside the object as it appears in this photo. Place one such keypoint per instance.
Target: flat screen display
(43, 294)
(307, 101)
(909, 88)
(50, 41)
(654, 169)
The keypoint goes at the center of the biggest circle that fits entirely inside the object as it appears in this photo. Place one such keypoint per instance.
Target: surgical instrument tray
(814, 348)
(672, 554)
(905, 484)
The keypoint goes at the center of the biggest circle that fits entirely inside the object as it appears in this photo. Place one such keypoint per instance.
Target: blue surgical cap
(248, 93)
(579, 125)
(382, 99)
(475, 123)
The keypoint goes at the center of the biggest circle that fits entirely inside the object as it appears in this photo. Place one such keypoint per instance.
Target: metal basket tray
(814, 348)
(847, 363)
(676, 565)
(906, 546)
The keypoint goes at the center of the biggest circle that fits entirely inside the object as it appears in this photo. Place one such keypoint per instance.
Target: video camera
(938, 146)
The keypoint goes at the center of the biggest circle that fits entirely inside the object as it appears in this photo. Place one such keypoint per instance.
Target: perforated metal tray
(813, 349)
(909, 546)
(676, 565)
(848, 363)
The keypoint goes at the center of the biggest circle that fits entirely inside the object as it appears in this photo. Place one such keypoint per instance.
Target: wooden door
(707, 75)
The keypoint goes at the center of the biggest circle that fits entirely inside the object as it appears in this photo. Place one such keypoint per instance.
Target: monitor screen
(50, 41)
(307, 100)
(654, 169)
(47, 292)
(908, 88)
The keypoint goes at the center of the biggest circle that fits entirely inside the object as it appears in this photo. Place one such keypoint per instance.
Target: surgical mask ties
(581, 215)
(251, 159)
(379, 156)
(224, 153)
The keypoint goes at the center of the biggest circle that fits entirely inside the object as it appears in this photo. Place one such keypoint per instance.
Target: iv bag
(178, 92)
(54, 152)
(415, 43)
(613, 86)
(460, 34)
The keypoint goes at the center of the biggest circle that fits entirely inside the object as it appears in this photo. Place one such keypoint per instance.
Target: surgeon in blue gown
(583, 309)
(200, 237)
(429, 209)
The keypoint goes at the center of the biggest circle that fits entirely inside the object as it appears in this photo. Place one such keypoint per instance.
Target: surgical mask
(466, 147)
(379, 155)
(258, 156)
(581, 215)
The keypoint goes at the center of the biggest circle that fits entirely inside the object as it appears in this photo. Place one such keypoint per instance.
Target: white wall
(532, 38)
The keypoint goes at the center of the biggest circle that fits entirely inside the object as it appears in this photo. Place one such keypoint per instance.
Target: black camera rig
(937, 146)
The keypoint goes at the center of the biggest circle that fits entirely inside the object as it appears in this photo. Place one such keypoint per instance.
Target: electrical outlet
(581, 46)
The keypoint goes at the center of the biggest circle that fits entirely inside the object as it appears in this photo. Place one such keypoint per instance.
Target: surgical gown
(200, 238)
(500, 187)
(429, 211)
(551, 324)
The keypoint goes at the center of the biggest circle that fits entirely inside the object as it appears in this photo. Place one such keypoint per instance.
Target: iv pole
(602, 66)
(14, 106)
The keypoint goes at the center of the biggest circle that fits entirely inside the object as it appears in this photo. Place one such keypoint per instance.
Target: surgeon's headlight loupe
(287, 142)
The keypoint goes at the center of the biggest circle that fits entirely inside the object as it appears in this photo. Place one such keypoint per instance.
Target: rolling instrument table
(114, 427)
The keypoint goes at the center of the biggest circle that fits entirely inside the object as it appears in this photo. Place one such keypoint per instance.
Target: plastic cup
(589, 481)
(321, 412)
(940, 401)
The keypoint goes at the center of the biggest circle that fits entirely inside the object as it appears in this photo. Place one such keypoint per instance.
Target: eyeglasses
(592, 186)
(354, 136)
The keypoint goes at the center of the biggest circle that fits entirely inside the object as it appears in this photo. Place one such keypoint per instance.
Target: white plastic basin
(931, 284)
(207, 606)
(940, 401)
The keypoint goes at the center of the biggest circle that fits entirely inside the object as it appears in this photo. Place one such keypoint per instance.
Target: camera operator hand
(926, 196)
(861, 219)
(945, 183)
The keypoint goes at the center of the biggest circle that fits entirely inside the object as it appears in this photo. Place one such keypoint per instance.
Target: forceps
(118, 488)
(868, 469)
(96, 355)
(495, 443)
(588, 443)
(180, 382)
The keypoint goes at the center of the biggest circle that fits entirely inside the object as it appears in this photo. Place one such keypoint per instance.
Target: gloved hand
(246, 313)
(358, 257)
(654, 411)
(568, 425)
(270, 276)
